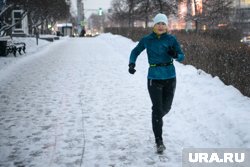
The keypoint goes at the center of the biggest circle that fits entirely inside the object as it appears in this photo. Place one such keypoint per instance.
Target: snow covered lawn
(31, 48)
(73, 103)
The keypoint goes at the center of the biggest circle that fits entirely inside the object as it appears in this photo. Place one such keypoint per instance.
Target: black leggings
(161, 93)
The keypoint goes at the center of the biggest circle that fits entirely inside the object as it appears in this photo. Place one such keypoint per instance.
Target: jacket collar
(154, 35)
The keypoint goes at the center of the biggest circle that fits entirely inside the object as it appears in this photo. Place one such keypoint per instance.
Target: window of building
(17, 15)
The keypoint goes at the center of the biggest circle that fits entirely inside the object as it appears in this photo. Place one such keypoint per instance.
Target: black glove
(172, 52)
(131, 69)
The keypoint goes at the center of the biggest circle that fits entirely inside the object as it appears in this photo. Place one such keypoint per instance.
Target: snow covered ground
(73, 103)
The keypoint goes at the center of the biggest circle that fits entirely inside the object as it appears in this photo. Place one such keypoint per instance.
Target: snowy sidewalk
(74, 104)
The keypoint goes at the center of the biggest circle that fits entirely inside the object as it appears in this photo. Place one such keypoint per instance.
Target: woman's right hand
(131, 69)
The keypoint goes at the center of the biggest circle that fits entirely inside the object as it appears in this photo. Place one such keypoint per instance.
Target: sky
(72, 102)
(93, 4)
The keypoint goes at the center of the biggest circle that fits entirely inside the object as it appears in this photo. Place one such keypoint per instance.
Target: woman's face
(160, 28)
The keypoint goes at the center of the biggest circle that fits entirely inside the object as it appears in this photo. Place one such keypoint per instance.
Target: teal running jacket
(157, 51)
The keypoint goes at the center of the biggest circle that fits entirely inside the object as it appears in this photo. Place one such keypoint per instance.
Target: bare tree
(144, 11)
(131, 10)
(165, 6)
(46, 11)
(120, 12)
(213, 13)
(147, 9)
(216, 12)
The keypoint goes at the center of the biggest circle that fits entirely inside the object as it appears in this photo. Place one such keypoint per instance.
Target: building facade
(240, 16)
(21, 25)
(12, 17)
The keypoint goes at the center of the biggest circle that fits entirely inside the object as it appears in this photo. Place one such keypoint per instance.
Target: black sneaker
(160, 147)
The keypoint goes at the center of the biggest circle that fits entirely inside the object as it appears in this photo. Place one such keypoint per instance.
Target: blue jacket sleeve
(177, 47)
(136, 51)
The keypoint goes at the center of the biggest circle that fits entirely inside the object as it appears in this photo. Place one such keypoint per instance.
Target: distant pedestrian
(83, 32)
(161, 48)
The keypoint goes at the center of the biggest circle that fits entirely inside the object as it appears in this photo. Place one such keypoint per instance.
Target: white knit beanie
(160, 18)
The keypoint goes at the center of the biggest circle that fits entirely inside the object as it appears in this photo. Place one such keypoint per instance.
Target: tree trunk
(189, 13)
(130, 17)
(196, 14)
(146, 13)
(160, 5)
